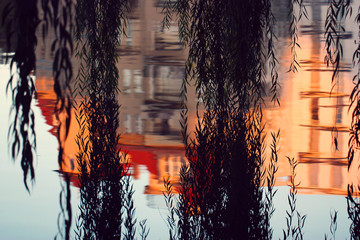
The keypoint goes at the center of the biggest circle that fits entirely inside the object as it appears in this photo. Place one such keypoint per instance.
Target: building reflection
(314, 116)
(151, 72)
(325, 166)
(151, 68)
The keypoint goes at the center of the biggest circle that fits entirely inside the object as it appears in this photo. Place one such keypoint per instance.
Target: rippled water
(151, 68)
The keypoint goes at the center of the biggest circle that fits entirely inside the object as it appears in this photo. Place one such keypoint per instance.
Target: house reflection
(311, 117)
(151, 68)
(151, 72)
(326, 166)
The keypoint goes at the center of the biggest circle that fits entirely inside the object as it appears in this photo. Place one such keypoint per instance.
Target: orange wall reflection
(310, 117)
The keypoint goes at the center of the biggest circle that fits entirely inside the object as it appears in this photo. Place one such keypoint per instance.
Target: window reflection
(126, 80)
(127, 122)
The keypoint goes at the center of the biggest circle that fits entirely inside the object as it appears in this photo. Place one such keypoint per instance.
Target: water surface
(151, 68)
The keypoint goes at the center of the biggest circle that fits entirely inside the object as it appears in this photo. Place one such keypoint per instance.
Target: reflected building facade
(313, 116)
(151, 68)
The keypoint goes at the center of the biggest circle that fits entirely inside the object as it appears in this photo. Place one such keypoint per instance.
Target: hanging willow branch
(230, 44)
(353, 209)
(65, 215)
(59, 15)
(293, 29)
(21, 30)
(271, 55)
(99, 26)
(354, 141)
(294, 220)
(102, 22)
(337, 11)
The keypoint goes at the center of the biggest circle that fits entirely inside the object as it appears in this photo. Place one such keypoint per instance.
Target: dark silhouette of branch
(20, 29)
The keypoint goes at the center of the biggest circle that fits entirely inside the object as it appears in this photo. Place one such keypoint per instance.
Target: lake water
(151, 68)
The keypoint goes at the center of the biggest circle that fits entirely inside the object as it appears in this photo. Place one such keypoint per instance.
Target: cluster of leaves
(105, 189)
(65, 215)
(270, 181)
(295, 19)
(354, 141)
(229, 45)
(58, 15)
(341, 9)
(337, 11)
(271, 55)
(171, 205)
(354, 211)
(203, 210)
(333, 225)
(20, 19)
(106, 193)
(294, 230)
